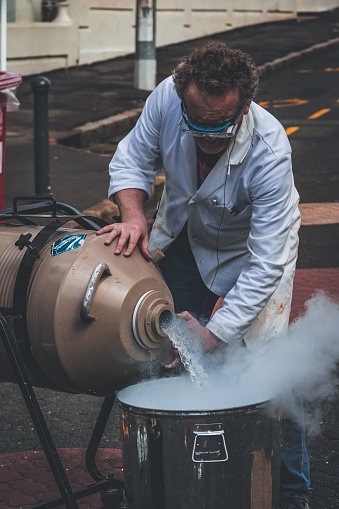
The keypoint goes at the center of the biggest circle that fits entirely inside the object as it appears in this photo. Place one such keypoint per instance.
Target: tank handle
(93, 283)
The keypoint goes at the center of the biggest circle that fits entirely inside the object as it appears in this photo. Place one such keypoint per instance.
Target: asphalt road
(305, 98)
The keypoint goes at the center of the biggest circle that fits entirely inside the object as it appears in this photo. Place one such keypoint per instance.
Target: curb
(92, 132)
(295, 57)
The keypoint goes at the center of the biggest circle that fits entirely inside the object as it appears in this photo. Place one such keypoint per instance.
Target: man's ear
(247, 109)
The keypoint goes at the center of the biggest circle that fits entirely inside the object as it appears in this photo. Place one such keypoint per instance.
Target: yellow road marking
(319, 113)
(283, 103)
(291, 130)
(326, 69)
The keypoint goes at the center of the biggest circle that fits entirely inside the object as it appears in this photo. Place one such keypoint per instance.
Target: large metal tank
(187, 447)
(91, 320)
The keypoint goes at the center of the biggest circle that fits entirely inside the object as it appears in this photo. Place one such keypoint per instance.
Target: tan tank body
(93, 318)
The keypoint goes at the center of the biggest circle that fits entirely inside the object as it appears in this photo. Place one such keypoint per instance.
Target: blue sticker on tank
(68, 243)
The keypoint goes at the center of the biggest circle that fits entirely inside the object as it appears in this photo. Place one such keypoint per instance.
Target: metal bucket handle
(216, 450)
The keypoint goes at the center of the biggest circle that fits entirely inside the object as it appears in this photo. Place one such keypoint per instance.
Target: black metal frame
(38, 205)
(111, 488)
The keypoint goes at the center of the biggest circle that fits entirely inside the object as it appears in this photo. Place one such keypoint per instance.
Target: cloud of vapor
(303, 361)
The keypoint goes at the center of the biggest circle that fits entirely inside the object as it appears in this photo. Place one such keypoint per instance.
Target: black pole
(40, 87)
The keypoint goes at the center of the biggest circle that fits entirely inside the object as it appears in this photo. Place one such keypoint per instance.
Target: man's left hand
(208, 340)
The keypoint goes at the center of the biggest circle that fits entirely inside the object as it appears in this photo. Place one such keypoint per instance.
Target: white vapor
(302, 360)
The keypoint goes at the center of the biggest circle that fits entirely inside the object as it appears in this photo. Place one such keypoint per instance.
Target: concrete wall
(92, 30)
(316, 5)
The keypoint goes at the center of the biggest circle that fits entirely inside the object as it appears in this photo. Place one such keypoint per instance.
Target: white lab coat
(242, 222)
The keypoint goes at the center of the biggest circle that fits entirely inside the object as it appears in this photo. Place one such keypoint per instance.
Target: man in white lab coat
(228, 219)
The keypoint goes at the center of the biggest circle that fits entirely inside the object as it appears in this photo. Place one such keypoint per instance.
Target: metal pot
(201, 458)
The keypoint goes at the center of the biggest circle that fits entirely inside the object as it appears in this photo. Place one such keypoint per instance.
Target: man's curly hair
(216, 69)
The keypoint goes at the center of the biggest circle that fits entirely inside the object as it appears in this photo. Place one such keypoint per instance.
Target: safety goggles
(226, 130)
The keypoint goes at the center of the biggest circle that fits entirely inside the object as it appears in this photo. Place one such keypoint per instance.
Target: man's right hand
(133, 230)
(130, 234)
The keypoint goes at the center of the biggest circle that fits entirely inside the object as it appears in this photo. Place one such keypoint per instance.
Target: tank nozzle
(151, 312)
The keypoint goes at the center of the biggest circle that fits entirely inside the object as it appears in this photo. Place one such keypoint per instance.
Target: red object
(8, 80)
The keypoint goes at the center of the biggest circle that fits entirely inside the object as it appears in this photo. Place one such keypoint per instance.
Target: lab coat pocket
(230, 228)
(227, 217)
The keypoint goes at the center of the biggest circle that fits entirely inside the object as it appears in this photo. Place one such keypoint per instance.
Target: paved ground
(79, 177)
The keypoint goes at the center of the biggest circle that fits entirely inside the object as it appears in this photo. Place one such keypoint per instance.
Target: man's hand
(208, 340)
(130, 234)
(133, 230)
